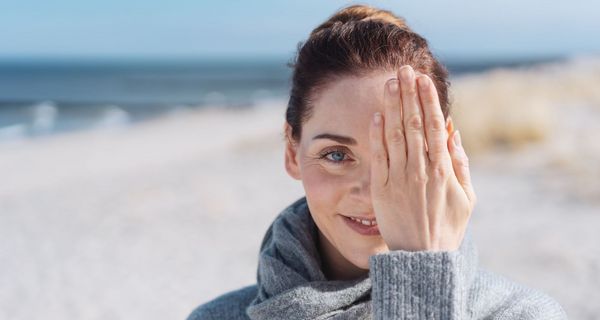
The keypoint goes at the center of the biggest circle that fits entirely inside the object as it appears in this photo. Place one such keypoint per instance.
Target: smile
(366, 227)
(366, 222)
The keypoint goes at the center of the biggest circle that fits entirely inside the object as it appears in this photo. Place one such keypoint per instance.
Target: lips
(368, 217)
(363, 226)
(365, 221)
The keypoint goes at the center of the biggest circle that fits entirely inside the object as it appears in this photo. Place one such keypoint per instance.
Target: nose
(361, 187)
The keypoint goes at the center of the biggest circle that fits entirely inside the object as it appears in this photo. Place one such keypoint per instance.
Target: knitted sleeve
(419, 285)
(439, 285)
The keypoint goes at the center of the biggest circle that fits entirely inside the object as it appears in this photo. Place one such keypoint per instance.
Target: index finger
(435, 126)
(394, 127)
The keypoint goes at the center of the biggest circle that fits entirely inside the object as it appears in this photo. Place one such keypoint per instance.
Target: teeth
(365, 222)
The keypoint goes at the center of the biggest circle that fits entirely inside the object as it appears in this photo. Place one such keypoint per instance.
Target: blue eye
(335, 156)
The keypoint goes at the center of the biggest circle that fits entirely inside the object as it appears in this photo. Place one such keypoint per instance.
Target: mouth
(364, 221)
(363, 226)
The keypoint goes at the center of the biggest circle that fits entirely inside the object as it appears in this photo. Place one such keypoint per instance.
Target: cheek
(324, 190)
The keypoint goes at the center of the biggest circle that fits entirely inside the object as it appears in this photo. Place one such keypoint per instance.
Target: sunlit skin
(353, 177)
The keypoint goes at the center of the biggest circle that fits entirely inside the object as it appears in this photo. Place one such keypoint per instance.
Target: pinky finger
(460, 163)
(379, 156)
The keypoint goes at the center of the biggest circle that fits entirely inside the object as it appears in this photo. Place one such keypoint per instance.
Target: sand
(151, 220)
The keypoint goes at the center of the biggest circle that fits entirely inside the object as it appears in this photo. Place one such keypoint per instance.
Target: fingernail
(406, 72)
(377, 118)
(393, 86)
(457, 141)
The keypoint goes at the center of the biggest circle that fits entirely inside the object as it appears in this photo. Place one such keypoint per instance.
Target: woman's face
(335, 173)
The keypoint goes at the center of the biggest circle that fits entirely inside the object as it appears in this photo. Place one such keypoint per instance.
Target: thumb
(460, 163)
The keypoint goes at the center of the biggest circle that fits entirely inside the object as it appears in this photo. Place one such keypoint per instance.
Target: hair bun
(359, 13)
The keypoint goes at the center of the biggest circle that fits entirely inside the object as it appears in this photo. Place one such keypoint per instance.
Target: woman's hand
(420, 182)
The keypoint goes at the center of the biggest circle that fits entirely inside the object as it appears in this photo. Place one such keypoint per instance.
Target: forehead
(345, 106)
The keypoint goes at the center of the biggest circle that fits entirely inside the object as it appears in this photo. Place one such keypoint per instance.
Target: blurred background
(141, 155)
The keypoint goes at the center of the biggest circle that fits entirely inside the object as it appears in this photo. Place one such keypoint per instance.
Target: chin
(361, 262)
(360, 256)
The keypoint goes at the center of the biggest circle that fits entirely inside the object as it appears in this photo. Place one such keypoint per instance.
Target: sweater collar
(291, 283)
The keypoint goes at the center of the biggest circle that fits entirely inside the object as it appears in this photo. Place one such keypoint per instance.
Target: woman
(381, 232)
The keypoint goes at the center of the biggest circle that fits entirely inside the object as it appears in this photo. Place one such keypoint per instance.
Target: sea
(40, 97)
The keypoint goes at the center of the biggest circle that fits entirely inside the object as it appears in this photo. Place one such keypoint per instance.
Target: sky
(200, 28)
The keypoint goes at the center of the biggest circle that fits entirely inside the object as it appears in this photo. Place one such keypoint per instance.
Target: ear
(449, 125)
(291, 153)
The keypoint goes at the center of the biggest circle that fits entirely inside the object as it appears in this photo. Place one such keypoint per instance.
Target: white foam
(44, 117)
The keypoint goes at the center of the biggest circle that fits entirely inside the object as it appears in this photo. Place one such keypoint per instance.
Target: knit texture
(400, 284)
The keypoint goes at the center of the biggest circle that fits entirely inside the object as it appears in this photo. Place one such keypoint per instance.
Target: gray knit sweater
(400, 284)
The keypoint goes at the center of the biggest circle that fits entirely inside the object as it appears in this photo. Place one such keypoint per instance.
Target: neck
(335, 266)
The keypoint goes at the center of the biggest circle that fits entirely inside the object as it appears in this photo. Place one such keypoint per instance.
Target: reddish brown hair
(355, 41)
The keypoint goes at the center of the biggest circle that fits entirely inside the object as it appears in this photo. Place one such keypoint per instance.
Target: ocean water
(40, 97)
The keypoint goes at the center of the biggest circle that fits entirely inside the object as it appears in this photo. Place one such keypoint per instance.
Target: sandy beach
(149, 221)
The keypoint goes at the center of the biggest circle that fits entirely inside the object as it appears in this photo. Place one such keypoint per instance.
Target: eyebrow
(335, 137)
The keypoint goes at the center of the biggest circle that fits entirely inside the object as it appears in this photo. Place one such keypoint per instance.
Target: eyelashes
(332, 155)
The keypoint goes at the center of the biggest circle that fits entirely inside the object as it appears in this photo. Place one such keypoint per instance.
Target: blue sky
(199, 28)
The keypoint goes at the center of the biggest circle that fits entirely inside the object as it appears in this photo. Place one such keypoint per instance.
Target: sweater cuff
(417, 285)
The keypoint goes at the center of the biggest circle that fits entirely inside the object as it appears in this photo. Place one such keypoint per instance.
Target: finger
(413, 123)
(379, 156)
(460, 163)
(435, 128)
(394, 128)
